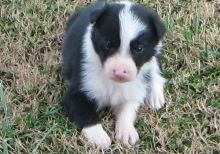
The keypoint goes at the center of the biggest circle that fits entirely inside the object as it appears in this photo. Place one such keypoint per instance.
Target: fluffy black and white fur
(111, 57)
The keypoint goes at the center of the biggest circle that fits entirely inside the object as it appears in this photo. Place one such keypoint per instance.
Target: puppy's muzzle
(120, 69)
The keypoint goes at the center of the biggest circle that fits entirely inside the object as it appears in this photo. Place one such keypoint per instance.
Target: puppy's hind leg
(82, 111)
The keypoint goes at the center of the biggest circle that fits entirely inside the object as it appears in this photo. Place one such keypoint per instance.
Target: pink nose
(120, 74)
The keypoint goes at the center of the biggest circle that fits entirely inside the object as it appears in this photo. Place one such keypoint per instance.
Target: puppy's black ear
(96, 14)
(158, 25)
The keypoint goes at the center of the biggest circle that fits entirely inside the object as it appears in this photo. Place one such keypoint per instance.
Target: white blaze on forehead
(124, 2)
(130, 26)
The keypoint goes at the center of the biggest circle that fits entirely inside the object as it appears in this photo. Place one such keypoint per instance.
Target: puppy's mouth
(120, 69)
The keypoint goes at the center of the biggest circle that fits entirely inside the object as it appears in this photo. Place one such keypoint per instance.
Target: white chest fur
(110, 93)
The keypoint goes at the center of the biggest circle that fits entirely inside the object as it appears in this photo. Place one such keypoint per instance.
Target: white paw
(97, 137)
(127, 135)
(156, 99)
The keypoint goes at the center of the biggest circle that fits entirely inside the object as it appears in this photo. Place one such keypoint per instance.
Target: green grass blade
(44, 137)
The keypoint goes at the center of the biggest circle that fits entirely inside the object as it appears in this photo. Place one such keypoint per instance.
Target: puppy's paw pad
(97, 137)
(127, 135)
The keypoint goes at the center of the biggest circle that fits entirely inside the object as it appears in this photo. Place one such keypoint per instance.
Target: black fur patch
(151, 19)
(149, 38)
(148, 41)
(106, 32)
(78, 107)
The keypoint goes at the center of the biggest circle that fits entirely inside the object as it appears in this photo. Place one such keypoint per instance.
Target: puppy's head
(125, 36)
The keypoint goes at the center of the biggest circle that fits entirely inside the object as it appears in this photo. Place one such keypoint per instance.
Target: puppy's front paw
(156, 99)
(126, 134)
(97, 137)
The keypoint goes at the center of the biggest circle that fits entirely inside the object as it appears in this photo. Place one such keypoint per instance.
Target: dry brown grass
(31, 119)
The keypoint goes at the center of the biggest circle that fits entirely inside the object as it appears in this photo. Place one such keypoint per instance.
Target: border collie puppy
(112, 58)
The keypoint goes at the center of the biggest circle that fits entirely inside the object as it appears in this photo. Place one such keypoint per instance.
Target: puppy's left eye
(139, 48)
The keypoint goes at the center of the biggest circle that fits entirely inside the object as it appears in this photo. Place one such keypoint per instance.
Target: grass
(31, 119)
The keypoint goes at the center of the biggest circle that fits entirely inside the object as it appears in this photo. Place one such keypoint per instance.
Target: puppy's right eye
(108, 45)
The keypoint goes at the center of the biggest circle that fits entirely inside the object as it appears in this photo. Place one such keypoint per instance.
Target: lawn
(31, 84)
